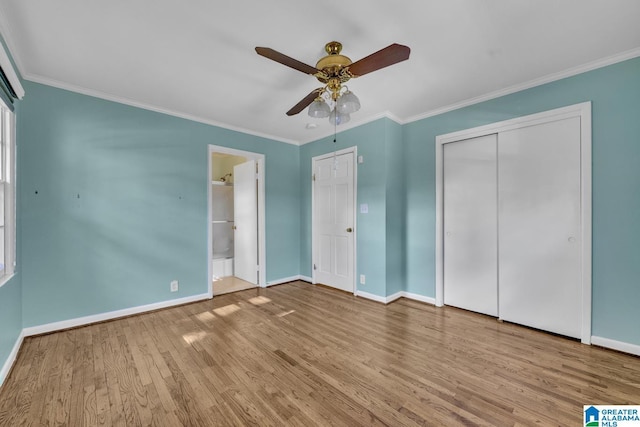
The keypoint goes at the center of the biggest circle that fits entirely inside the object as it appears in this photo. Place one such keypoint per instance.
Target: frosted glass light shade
(348, 103)
(319, 109)
(338, 118)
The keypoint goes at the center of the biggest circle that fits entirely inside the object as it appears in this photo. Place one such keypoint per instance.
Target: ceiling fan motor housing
(332, 68)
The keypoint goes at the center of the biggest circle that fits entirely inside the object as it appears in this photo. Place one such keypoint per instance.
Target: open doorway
(236, 220)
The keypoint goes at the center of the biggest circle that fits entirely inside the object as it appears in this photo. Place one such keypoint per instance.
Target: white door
(470, 225)
(333, 221)
(539, 216)
(245, 200)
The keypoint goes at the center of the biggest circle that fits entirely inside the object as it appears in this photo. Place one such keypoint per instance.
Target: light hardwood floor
(298, 354)
(224, 285)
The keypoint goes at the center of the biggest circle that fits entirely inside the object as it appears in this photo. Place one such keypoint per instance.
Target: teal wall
(615, 95)
(112, 201)
(395, 209)
(114, 204)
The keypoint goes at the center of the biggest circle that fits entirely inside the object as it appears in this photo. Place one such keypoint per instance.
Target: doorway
(236, 203)
(334, 219)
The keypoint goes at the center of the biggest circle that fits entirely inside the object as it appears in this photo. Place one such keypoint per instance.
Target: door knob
(349, 230)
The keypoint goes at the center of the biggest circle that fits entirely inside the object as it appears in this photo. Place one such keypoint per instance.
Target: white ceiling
(196, 59)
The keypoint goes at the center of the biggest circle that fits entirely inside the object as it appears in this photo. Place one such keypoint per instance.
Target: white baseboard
(373, 297)
(616, 345)
(81, 321)
(393, 297)
(421, 298)
(397, 295)
(288, 279)
(11, 359)
(306, 279)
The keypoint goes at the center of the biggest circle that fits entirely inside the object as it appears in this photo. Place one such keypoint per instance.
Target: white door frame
(260, 160)
(582, 110)
(353, 150)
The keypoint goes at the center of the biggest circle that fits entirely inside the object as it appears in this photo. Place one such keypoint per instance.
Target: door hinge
(314, 267)
(314, 177)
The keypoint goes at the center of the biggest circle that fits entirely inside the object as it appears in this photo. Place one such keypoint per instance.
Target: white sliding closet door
(539, 226)
(470, 225)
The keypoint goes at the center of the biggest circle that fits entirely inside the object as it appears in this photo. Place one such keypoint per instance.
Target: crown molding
(570, 72)
(623, 56)
(126, 101)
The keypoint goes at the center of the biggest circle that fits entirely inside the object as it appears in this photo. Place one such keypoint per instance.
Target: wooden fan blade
(285, 60)
(390, 55)
(304, 103)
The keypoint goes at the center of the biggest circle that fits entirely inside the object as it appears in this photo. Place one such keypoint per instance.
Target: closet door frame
(582, 110)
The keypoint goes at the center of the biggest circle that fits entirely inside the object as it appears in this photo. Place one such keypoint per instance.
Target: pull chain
(335, 159)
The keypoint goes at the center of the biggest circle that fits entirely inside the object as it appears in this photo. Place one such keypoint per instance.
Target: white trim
(616, 345)
(7, 67)
(550, 78)
(393, 297)
(5, 279)
(126, 101)
(8, 120)
(593, 65)
(355, 219)
(586, 219)
(582, 110)
(209, 224)
(288, 279)
(396, 296)
(417, 297)
(262, 258)
(354, 150)
(372, 297)
(95, 318)
(262, 227)
(11, 359)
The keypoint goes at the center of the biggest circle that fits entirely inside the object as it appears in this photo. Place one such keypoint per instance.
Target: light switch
(364, 208)
(360, 159)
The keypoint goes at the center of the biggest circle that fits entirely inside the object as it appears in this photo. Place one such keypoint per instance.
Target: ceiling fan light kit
(337, 118)
(319, 108)
(348, 103)
(333, 70)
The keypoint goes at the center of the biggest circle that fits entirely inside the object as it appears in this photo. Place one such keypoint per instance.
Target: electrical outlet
(362, 279)
(174, 286)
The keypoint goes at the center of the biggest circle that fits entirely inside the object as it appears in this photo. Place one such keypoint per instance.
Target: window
(7, 193)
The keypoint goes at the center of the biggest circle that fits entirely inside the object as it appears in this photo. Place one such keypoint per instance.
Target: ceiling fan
(333, 70)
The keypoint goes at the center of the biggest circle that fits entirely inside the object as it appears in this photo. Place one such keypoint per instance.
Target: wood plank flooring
(224, 285)
(298, 354)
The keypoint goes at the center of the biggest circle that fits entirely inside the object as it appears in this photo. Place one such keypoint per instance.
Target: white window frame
(8, 181)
